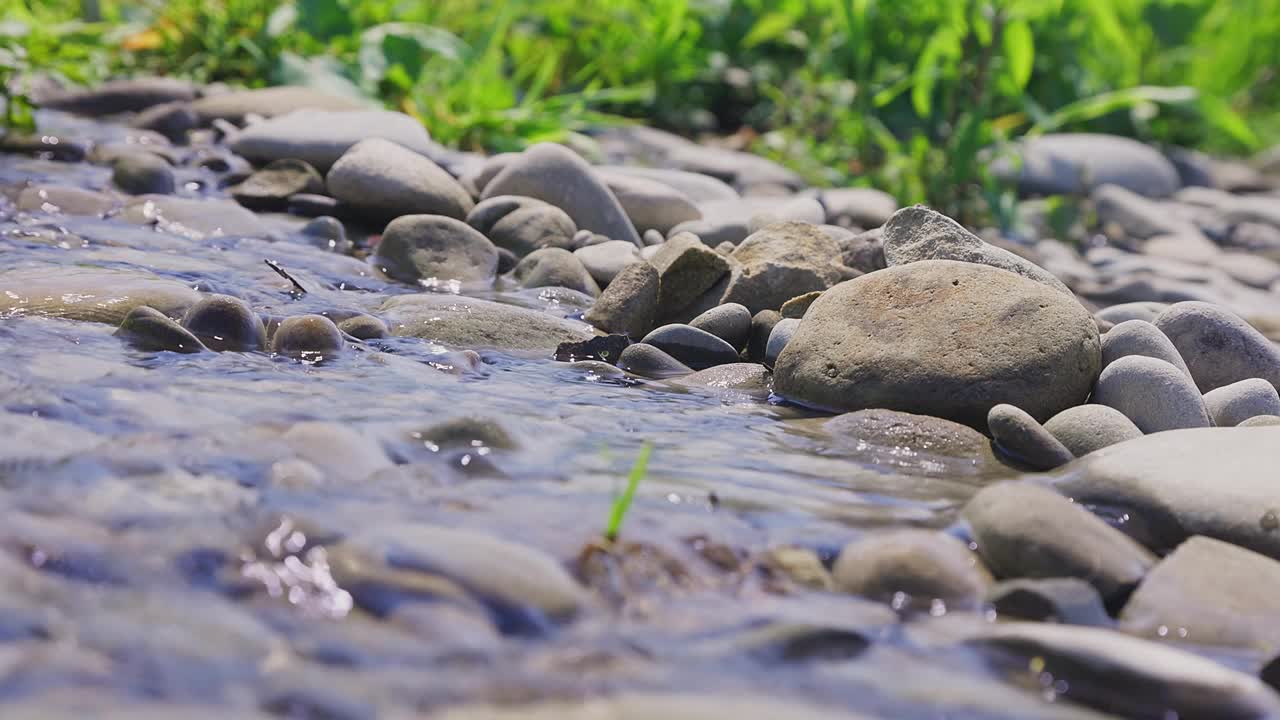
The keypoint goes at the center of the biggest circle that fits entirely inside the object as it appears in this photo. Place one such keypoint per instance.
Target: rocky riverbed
(307, 416)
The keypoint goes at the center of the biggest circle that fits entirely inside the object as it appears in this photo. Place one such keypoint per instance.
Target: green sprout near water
(623, 502)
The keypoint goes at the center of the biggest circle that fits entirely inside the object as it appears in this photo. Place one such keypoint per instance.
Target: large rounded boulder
(943, 338)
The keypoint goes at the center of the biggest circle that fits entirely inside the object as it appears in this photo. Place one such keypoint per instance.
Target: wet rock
(1116, 673)
(686, 270)
(143, 174)
(149, 329)
(118, 96)
(1065, 600)
(194, 218)
(780, 262)
(271, 187)
(1141, 338)
(64, 199)
(607, 348)
(1210, 593)
(918, 233)
(923, 565)
(672, 707)
(858, 207)
(912, 444)
(364, 327)
(762, 325)
(649, 204)
(1019, 435)
(1155, 395)
(307, 336)
(942, 338)
(555, 267)
(1218, 346)
(172, 120)
(1086, 428)
(225, 323)
(89, 294)
(1232, 404)
(1070, 163)
(695, 348)
(43, 145)
(507, 261)
(470, 323)
(1025, 530)
(730, 322)
(747, 377)
(605, 260)
(434, 248)
(467, 432)
(648, 361)
(319, 137)
(556, 175)
(1161, 481)
(328, 231)
(1261, 421)
(1147, 311)
(864, 252)
(779, 338)
(384, 180)
(522, 224)
(629, 305)
(267, 102)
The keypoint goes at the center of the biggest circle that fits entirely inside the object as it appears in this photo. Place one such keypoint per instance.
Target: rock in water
(917, 233)
(142, 173)
(922, 564)
(434, 248)
(271, 187)
(470, 323)
(307, 336)
(555, 267)
(225, 323)
(1018, 434)
(555, 174)
(385, 180)
(149, 329)
(943, 338)
(523, 224)
(696, 348)
(89, 294)
(630, 304)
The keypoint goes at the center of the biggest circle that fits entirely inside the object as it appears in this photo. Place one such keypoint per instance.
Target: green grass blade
(623, 503)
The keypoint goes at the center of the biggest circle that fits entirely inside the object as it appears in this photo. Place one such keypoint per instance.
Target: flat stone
(555, 267)
(605, 260)
(746, 377)
(695, 348)
(1147, 311)
(435, 249)
(320, 137)
(268, 102)
(523, 224)
(384, 180)
(858, 207)
(648, 361)
(779, 338)
(1233, 404)
(695, 186)
(1019, 435)
(1261, 421)
(917, 233)
(1069, 163)
(1086, 428)
(194, 218)
(1155, 395)
(732, 221)
(942, 338)
(686, 270)
(118, 96)
(471, 323)
(1218, 346)
(554, 174)
(629, 305)
(1218, 482)
(1064, 600)
(1139, 217)
(149, 329)
(172, 120)
(90, 294)
(730, 322)
(1029, 531)
(65, 199)
(916, 445)
(923, 565)
(641, 706)
(271, 187)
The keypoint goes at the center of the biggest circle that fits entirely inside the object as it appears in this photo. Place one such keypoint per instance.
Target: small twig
(298, 290)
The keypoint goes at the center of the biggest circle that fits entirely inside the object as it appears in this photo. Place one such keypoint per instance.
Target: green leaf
(1019, 53)
(1092, 108)
(623, 503)
(767, 28)
(324, 19)
(943, 46)
(407, 45)
(1219, 114)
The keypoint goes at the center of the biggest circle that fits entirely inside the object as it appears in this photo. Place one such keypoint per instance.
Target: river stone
(149, 329)
(555, 267)
(858, 207)
(420, 248)
(797, 306)
(471, 323)
(1019, 435)
(642, 706)
(1065, 600)
(118, 96)
(225, 323)
(1147, 311)
(64, 199)
(1209, 593)
(172, 120)
(1139, 337)
(268, 102)
(745, 377)
(695, 348)
(555, 174)
(648, 361)
(1218, 346)
(522, 224)
(320, 137)
(629, 305)
(89, 294)
(1071, 163)
(780, 262)
(730, 322)
(762, 324)
(1026, 530)
(779, 337)
(1261, 421)
(308, 336)
(384, 180)
(1218, 482)
(271, 187)
(649, 204)
(1155, 395)
(364, 327)
(924, 565)
(864, 252)
(1086, 428)
(194, 218)
(497, 571)
(1128, 676)
(732, 221)
(1140, 218)
(695, 186)
(142, 173)
(943, 338)
(917, 233)
(605, 260)
(1232, 404)
(686, 270)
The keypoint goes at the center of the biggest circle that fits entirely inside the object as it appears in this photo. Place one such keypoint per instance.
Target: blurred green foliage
(899, 94)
